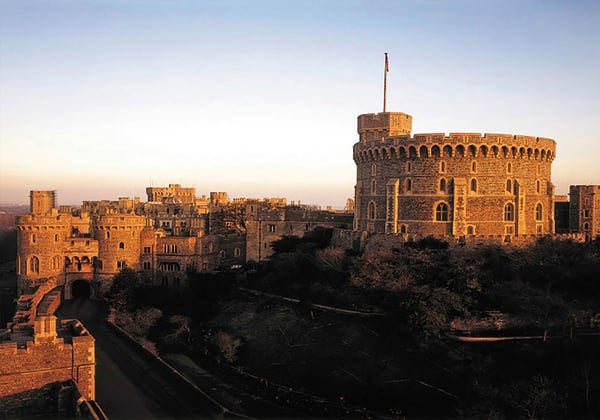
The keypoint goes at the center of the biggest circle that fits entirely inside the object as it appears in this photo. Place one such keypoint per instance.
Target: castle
(461, 186)
(170, 235)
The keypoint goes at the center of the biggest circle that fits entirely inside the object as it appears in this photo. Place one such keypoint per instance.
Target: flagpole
(385, 72)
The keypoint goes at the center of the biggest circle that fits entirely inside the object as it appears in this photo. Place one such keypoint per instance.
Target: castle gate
(80, 289)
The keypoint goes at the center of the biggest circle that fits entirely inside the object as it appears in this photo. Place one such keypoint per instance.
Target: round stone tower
(456, 185)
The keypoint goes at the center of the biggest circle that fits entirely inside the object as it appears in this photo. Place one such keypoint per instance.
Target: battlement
(456, 145)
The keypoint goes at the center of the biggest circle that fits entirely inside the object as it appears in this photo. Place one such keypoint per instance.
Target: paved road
(127, 386)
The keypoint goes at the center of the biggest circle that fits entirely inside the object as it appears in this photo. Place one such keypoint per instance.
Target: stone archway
(80, 289)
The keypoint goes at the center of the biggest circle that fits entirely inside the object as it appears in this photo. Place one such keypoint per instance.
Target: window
(442, 167)
(509, 168)
(508, 185)
(473, 185)
(56, 262)
(222, 254)
(99, 264)
(509, 212)
(586, 213)
(147, 250)
(409, 184)
(539, 229)
(147, 265)
(538, 186)
(33, 238)
(403, 229)
(408, 167)
(473, 166)
(121, 265)
(538, 212)
(373, 169)
(107, 235)
(56, 237)
(441, 212)
(237, 252)
(169, 266)
(586, 226)
(443, 185)
(470, 230)
(170, 249)
(272, 228)
(121, 245)
(373, 186)
(34, 265)
(372, 210)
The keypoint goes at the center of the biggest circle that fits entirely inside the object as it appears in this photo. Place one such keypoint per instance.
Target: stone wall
(30, 364)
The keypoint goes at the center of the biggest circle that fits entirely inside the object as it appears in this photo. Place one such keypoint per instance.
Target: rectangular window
(272, 228)
(147, 250)
(147, 265)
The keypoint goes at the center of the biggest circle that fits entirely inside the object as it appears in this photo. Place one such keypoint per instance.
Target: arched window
(442, 167)
(408, 184)
(538, 187)
(373, 169)
(509, 168)
(508, 185)
(34, 265)
(441, 212)
(408, 167)
(373, 186)
(372, 212)
(473, 185)
(509, 212)
(586, 226)
(470, 230)
(538, 212)
(473, 166)
(56, 237)
(107, 235)
(443, 185)
(121, 245)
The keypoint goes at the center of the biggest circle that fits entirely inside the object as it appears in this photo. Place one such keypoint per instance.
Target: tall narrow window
(538, 212)
(408, 167)
(509, 168)
(473, 166)
(473, 185)
(409, 185)
(34, 265)
(442, 185)
(373, 169)
(508, 185)
(509, 212)
(441, 212)
(373, 186)
(121, 245)
(442, 167)
(538, 187)
(372, 212)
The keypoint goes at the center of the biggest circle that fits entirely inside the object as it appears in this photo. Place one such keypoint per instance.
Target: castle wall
(49, 358)
(461, 184)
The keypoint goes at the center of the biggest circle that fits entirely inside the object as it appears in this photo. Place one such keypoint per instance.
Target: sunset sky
(99, 99)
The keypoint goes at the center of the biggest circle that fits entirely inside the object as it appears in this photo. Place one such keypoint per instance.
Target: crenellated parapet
(456, 145)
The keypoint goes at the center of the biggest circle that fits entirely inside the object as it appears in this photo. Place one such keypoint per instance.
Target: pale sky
(99, 99)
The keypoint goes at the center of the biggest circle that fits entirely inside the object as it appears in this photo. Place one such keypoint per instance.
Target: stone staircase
(50, 302)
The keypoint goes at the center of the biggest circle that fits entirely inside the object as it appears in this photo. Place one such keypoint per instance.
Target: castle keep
(460, 185)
